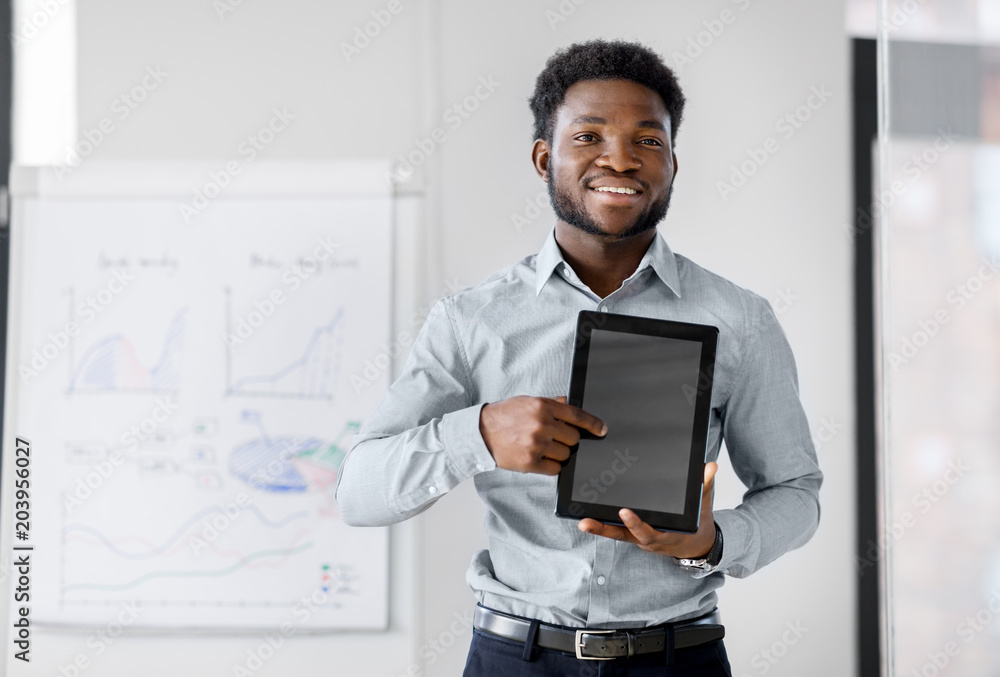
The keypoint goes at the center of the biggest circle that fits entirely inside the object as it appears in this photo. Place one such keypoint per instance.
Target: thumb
(560, 398)
(710, 469)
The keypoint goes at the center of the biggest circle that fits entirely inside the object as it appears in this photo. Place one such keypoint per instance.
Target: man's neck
(601, 263)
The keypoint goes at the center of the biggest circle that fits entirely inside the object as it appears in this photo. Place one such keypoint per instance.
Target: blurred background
(870, 229)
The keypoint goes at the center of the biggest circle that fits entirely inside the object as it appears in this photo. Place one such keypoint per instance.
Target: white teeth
(612, 189)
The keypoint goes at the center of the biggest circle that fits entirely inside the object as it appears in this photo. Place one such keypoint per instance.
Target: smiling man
(481, 397)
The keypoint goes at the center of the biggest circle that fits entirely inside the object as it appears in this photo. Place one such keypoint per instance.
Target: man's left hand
(691, 546)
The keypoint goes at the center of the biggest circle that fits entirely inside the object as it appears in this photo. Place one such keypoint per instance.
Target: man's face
(610, 134)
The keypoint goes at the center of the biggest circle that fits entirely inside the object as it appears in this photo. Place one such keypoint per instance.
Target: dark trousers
(491, 656)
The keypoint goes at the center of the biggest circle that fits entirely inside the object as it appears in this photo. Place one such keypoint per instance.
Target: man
(480, 397)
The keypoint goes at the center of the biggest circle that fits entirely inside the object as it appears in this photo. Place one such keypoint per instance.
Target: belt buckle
(579, 644)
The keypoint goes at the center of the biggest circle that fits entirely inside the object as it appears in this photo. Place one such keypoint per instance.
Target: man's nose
(620, 156)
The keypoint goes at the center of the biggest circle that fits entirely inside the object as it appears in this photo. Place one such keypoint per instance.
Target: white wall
(782, 233)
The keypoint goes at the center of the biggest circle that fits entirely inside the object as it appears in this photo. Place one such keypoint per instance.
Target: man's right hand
(534, 434)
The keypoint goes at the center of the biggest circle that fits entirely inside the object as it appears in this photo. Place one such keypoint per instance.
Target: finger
(556, 451)
(564, 433)
(711, 469)
(581, 419)
(592, 526)
(547, 466)
(706, 496)
(641, 532)
(560, 398)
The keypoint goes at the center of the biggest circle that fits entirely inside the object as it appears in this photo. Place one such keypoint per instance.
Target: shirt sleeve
(771, 449)
(421, 440)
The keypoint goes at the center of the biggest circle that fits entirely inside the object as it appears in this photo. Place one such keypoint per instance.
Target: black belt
(590, 644)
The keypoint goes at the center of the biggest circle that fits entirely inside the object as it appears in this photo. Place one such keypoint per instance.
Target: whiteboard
(189, 387)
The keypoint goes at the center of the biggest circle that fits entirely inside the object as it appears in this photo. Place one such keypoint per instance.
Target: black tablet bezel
(707, 335)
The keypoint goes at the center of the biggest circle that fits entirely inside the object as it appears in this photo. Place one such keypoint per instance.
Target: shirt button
(432, 489)
(601, 580)
(480, 467)
(604, 309)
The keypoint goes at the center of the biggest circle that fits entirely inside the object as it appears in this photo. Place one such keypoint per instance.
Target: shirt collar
(659, 257)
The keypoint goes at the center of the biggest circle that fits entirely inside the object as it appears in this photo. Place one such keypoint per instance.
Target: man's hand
(691, 546)
(534, 434)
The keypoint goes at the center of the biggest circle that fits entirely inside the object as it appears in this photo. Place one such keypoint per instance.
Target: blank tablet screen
(644, 388)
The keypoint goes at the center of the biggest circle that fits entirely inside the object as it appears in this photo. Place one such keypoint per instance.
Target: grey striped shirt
(513, 335)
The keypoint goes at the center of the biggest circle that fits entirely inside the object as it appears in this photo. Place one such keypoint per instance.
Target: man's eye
(586, 137)
(656, 142)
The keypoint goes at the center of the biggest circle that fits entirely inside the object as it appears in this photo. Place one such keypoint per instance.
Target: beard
(575, 214)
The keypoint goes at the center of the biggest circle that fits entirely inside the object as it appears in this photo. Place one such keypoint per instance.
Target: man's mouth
(613, 189)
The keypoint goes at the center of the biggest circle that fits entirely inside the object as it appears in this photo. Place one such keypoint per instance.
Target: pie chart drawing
(290, 464)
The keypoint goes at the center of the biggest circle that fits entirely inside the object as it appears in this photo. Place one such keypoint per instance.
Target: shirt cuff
(740, 549)
(464, 443)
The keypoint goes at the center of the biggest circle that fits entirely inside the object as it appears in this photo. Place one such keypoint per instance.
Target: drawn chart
(200, 385)
(313, 373)
(111, 364)
(280, 464)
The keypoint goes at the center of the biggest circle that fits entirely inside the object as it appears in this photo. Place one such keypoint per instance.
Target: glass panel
(940, 193)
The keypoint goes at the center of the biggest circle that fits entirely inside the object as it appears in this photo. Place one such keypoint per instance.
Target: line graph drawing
(287, 463)
(244, 561)
(192, 521)
(315, 374)
(112, 364)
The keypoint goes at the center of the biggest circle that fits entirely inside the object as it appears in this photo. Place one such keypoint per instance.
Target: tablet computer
(650, 381)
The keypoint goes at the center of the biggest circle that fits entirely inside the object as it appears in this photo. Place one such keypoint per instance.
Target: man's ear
(674, 155)
(540, 154)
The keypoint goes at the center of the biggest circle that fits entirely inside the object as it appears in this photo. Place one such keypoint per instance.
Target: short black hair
(602, 60)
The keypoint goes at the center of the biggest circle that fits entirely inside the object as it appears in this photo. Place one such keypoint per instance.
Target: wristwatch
(710, 561)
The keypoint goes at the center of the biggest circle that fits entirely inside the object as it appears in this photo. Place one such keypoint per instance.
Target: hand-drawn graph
(182, 564)
(286, 463)
(162, 491)
(312, 373)
(111, 364)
